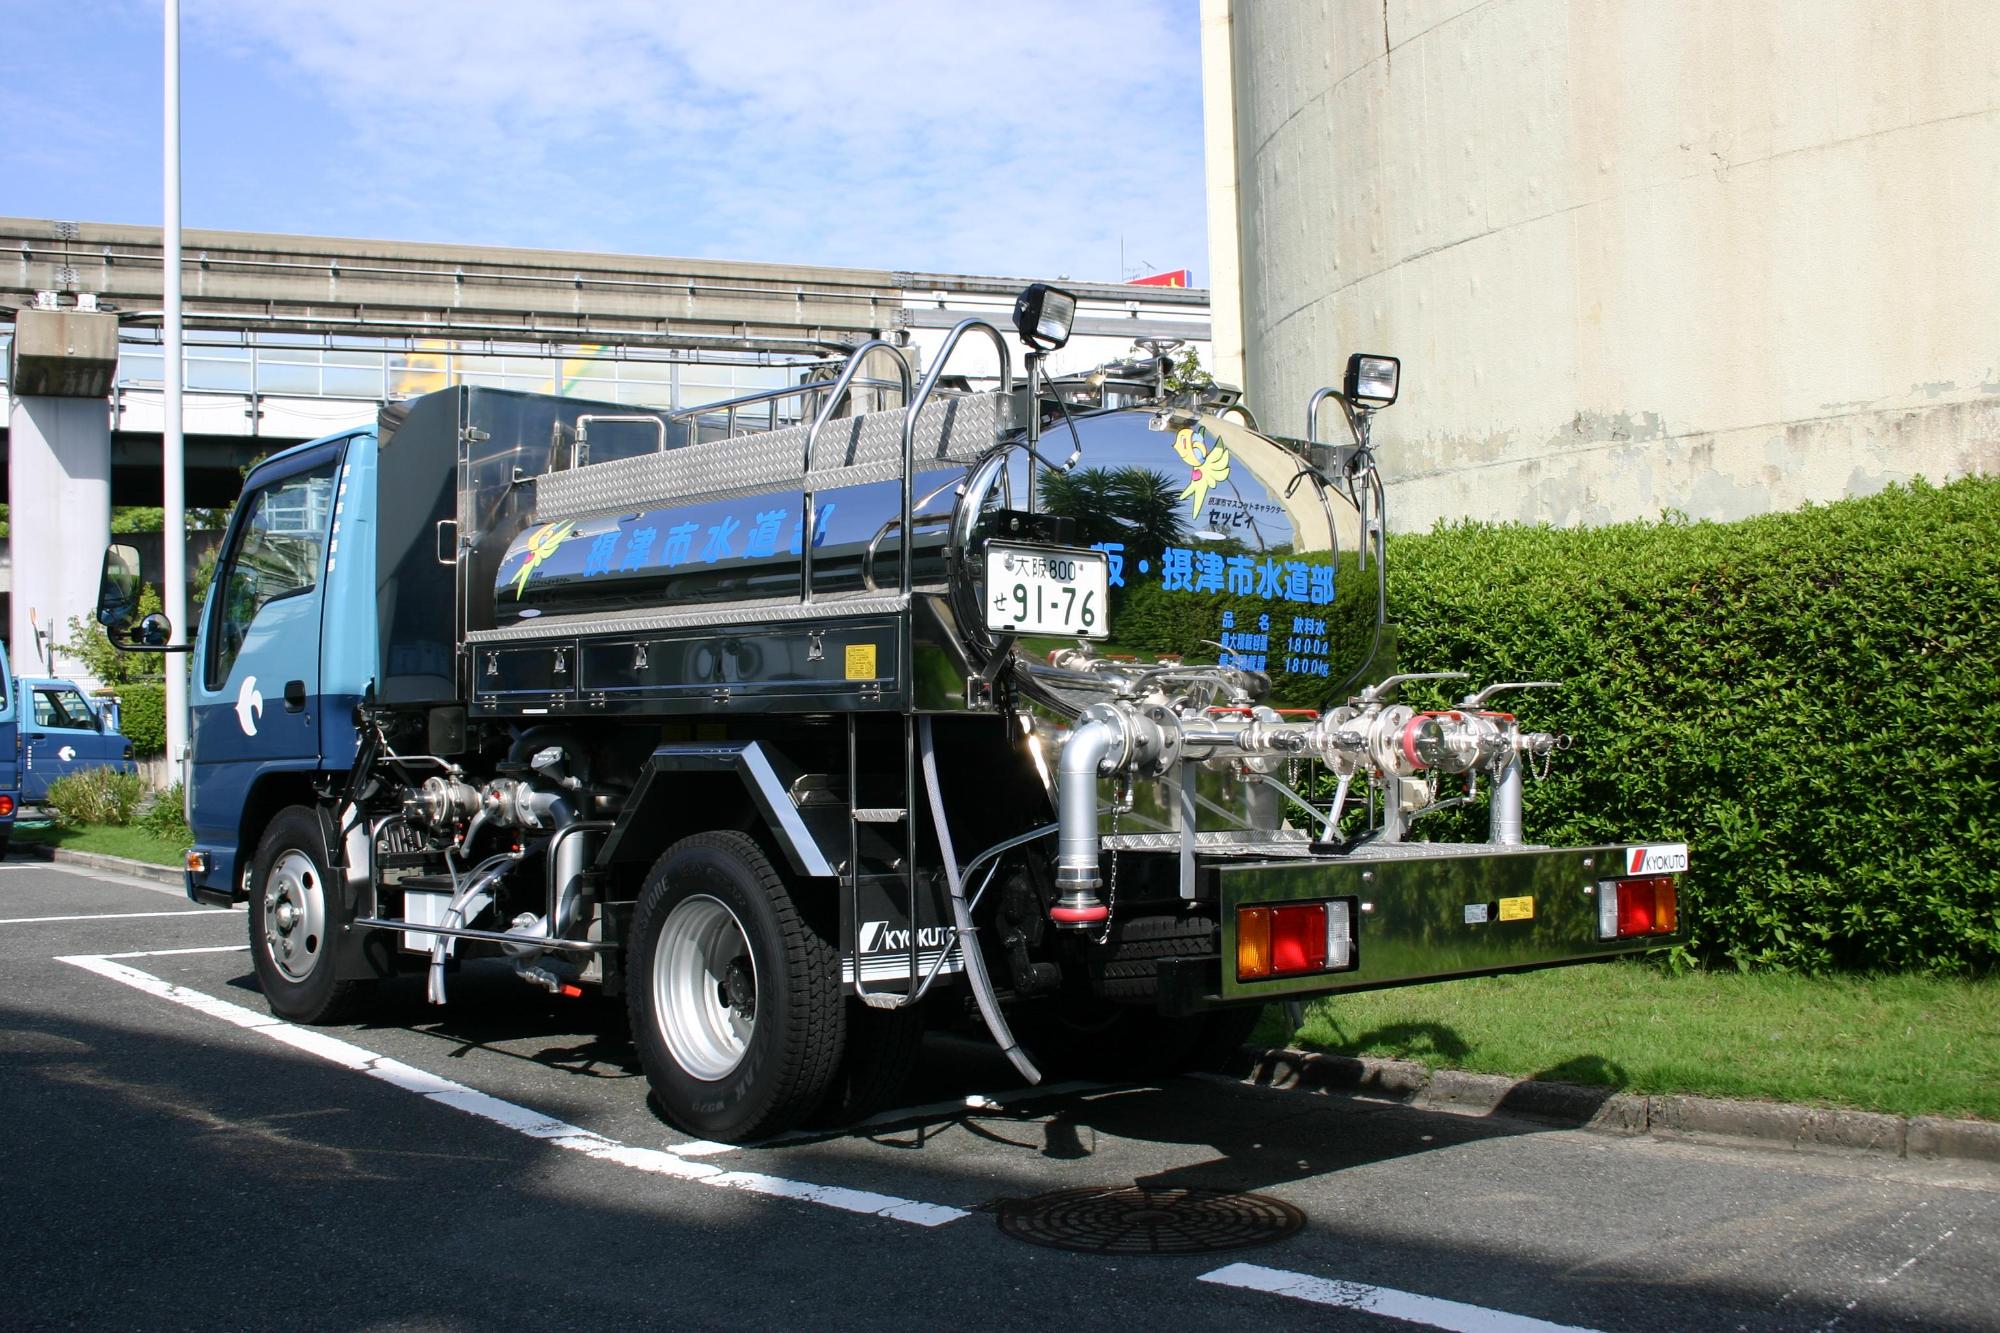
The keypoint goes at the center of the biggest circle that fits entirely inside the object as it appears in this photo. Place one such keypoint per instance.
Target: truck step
(880, 815)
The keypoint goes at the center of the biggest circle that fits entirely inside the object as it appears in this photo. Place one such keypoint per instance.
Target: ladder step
(880, 815)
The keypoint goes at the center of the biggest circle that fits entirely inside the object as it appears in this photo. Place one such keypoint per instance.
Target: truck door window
(278, 552)
(64, 709)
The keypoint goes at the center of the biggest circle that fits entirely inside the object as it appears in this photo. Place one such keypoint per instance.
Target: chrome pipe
(494, 936)
(1504, 806)
(1089, 749)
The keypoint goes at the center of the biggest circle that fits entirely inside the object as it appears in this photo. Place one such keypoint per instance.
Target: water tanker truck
(1063, 706)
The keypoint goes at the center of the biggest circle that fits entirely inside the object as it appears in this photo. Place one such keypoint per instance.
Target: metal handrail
(1312, 411)
(809, 525)
(915, 406)
(579, 450)
(730, 405)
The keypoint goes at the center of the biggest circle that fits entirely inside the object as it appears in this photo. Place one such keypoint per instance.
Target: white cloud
(1020, 138)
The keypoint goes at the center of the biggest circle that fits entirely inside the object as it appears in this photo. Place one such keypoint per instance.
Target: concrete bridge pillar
(58, 477)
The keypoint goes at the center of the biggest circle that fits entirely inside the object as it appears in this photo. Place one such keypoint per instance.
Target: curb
(124, 865)
(1601, 1110)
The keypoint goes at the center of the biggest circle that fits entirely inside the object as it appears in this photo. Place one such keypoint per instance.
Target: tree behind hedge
(1810, 700)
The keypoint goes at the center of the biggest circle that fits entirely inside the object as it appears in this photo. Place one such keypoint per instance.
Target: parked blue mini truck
(10, 763)
(49, 729)
(61, 732)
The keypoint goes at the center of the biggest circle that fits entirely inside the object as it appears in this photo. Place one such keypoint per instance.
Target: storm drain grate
(1108, 1219)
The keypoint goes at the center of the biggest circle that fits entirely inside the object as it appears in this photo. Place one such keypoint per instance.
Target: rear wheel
(297, 910)
(734, 998)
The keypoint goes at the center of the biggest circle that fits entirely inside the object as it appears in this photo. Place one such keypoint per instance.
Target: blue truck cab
(60, 731)
(10, 753)
(285, 648)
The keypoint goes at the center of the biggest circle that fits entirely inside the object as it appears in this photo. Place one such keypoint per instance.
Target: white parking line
(171, 953)
(520, 1119)
(19, 869)
(114, 916)
(1385, 1301)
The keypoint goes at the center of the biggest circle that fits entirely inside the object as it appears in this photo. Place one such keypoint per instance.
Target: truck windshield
(278, 552)
(63, 708)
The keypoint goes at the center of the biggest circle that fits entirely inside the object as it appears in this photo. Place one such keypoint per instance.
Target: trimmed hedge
(1811, 700)
(143, 716)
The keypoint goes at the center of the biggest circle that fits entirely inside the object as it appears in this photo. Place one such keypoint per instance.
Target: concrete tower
(1721, 256)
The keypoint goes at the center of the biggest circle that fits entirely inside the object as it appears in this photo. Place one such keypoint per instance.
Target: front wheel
(735, 999)
(296, 913)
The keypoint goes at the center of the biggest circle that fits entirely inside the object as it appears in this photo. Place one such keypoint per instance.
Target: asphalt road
(173, 1158)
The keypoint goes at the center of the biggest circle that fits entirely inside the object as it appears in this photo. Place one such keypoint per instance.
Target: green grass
(133, 842)
(1909, 1045)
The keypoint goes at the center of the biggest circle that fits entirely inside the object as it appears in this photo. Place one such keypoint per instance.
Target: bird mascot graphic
(1209, 460)
(542, 544)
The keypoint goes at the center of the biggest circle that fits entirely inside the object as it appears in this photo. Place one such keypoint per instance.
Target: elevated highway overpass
(291, 337)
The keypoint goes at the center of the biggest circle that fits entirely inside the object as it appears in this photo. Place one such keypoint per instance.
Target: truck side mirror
(118, 588)
(154, 631)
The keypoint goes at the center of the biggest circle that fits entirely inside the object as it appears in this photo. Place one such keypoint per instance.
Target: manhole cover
(1136, 1220)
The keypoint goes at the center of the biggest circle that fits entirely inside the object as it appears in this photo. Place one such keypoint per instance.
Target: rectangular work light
(1043, 315)
(1371, 380)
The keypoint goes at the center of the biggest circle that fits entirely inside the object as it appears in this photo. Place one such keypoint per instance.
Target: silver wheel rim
(294, 915)
(704, 987)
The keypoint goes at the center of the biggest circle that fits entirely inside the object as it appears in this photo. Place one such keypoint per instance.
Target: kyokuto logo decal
(876, 937)
(1207, 459)
(1668, 859)
(249, 706)
(67, 753)
(542, 544)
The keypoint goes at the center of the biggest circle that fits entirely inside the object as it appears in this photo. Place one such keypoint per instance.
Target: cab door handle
(295, 696)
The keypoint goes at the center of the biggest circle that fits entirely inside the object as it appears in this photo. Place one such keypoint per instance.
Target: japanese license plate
(1047, 590)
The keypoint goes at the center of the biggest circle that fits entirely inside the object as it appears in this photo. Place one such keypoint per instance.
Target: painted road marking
(22, 869)
(520, 1119)
(1385, 1301)
(170, 953)
(114, 916)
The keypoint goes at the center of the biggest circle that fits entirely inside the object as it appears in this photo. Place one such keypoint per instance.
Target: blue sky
(1023, 138)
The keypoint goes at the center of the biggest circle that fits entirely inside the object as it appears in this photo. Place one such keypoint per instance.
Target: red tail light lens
(1629, 908)
(6, 806)
(1298, 939)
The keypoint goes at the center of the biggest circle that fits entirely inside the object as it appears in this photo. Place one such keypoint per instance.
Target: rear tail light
(6, 806)
(1631, 908)
(1294, 939)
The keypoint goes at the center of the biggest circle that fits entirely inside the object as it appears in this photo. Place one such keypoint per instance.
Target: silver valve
(1477, 701)
(1382, 691)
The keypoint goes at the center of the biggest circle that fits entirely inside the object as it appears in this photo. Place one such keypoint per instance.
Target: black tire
(780, 982)
(1129, 967)
(292, 939)
(6, 839)
(882, 1049)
